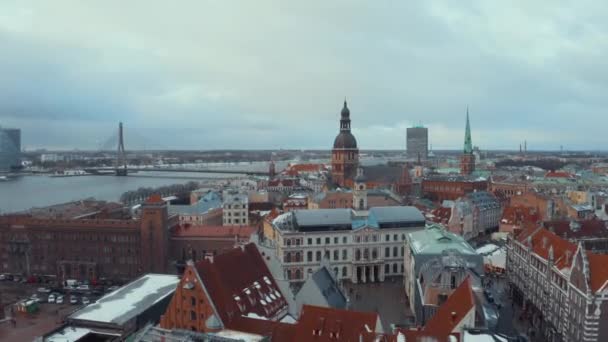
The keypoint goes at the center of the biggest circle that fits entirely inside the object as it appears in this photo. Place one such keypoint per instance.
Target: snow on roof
(239, 336)
(487, 249)
(482, 337)
(68, 334)
(127, 302)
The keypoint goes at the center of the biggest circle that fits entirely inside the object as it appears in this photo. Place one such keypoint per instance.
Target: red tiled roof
(598, 270)
(558, 174)
(214, 231)
(306, 167)
(447, 317)
(154, 199)
(587, 228)
(328, 324)
(239, 283)
(277, 330)
(441, 215)
(520, 214)
(542, 240)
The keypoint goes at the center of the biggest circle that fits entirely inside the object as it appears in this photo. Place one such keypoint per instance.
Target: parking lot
(23, 324)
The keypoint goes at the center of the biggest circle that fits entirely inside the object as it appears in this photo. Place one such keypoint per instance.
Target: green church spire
(468, 145)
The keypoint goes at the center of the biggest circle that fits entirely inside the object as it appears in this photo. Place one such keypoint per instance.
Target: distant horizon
(297, 150)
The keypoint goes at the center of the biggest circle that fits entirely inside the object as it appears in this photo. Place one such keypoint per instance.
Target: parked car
(113, 288)
(36, 298)
(59, 300)
(83, 288)
(73, 300)
(16, 279)
(85, 300)
(44, 290)
(51, 298)
(2, 276)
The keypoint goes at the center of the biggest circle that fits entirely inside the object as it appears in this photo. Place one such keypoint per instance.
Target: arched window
(366, 254)
(336, 271)
(361, 204)
(298, 274)
(288, 274)
(374, 253)
(344, 271)
(344, 254)
(395, 251)
(394, 268)
(402, 250)
(318, 255)
(387, 252)
(309, 256)
(288, 241)
(336, 254)
(298, 257)
(387, 269)
(357, 254)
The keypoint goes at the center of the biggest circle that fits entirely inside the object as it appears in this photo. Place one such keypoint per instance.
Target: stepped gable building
(562, 285)
(345, 154)
(362, 246)
(467, 160)
(234, 290)
(87, 245)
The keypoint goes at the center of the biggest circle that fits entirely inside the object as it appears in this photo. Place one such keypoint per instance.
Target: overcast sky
(273, 74)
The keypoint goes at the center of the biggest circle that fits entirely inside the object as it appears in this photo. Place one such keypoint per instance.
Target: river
(24, 192)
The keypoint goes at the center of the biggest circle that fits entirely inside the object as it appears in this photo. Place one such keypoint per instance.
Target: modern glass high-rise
(10, 149)
(417, 142)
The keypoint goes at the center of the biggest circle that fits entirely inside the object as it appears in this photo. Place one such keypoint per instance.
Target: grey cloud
(273, 74)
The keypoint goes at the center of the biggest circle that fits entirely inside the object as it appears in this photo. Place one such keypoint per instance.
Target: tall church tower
(467, 160)
(345, 154)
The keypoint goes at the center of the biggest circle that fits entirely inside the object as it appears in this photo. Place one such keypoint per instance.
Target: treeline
(545, 164)
(140, 195)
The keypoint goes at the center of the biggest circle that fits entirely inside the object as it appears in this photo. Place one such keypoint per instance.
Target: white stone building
(235, 206)
(361, 246)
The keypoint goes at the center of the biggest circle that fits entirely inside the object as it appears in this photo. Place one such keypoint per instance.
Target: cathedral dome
(345, 140)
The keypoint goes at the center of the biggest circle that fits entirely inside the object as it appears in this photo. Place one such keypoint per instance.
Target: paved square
(387, 299)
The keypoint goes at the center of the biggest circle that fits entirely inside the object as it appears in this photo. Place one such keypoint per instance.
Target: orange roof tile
(598, 270)
(328, 324)
(154, 199)
(542, 240)
(520, 214)
(558, 174)
(447, 317)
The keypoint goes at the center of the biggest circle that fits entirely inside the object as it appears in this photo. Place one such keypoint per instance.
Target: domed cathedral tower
(360, 191)
(467, 160)
(345, 154)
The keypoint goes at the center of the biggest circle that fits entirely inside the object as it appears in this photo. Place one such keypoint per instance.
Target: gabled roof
(598, 270)
(321, 289)
(578, 229)
(542, 240)
(327, 324)
(519, 214)
(240, 284)
(451, 313)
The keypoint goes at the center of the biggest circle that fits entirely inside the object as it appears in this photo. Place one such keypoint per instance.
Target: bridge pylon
(121, 157)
